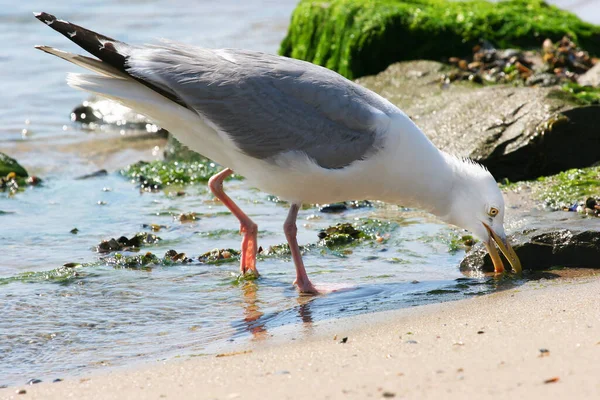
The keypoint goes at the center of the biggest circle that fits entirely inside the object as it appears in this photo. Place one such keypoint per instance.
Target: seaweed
(156, 175)
(362, 37)
(570, 186)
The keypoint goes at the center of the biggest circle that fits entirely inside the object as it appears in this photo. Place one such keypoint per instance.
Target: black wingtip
(46, 18)
(98, 45)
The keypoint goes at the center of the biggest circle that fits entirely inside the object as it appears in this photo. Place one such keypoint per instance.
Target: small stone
(34, 381)
(388, 395)
(21, 391)
(344, 340)
(33, 181)
(57, 380)
(282, 372)
(96, 174)
(333, 208)
(74, 231)
(480, 332)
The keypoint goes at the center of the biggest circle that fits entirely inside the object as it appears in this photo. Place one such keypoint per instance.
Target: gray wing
(269, 105)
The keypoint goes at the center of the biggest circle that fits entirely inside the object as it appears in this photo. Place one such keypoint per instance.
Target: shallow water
(108, 316)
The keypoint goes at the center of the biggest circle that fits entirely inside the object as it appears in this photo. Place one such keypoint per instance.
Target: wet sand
(539, 340)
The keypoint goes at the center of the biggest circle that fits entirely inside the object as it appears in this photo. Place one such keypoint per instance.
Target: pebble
(21, 391)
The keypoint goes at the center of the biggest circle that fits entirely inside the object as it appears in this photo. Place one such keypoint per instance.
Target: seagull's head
(477, 205)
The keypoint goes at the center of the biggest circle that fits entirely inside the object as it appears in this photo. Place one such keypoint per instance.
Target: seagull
(293, 129)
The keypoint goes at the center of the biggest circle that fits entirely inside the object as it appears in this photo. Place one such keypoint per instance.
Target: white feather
(189, 127)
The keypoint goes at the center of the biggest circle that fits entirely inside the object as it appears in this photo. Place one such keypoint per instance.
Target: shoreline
(489, 346)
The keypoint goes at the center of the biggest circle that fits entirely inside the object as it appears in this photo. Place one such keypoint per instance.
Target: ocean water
(107, 316)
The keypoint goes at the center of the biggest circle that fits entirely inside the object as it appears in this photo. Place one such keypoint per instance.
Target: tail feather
(86, 62)
(112, 53)
(94, 43)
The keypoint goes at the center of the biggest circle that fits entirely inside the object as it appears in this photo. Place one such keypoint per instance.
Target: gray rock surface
(591, 77)
(558, 239)
(517, 132)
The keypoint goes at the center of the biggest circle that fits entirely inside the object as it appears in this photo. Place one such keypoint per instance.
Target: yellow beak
(505, 248)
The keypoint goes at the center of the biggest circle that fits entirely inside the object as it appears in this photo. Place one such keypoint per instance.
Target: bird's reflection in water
(255, 320)
(252, 314)
(305, 313)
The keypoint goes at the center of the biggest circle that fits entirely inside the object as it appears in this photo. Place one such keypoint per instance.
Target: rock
(362, 37)
(516, 132)
(123, 243)
(146, 261)
(96, 174)
(542, 249)
(219, 256)
(335, 208)
(339, 235)
(8, 165)
(544, 79)
(592, 77)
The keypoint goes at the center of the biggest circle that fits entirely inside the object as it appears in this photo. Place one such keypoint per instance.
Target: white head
(477, 205)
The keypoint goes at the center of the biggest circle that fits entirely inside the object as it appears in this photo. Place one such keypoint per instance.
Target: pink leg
(247, 227)
(290, 229)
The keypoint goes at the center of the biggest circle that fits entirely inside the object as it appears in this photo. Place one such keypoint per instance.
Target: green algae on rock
(13, 177)
(63, 275)
(339, 235)
(158, 174)
(219, 256)
(146, 261)
(8, 165)
(584, 95)
(567, 187)
(362, 37)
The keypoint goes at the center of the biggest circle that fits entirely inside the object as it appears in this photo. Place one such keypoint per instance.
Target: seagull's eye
(493, 212)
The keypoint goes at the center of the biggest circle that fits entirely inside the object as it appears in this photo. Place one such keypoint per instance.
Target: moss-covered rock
(564, 189)
(219, 256)
(8, 165)
(158, 174)
(584, 95)
(362, 37)
(146, 261)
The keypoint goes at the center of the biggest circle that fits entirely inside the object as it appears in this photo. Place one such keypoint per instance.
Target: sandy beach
(539, 340)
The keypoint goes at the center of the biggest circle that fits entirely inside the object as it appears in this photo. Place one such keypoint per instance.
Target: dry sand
(483, 347)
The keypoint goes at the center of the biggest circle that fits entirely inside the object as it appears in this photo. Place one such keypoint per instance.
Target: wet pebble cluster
(123, 243)
(590, 207)
(555, 63)
(12, 183)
